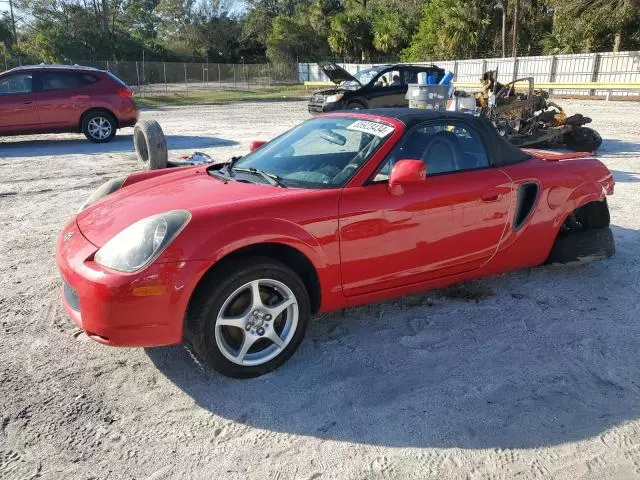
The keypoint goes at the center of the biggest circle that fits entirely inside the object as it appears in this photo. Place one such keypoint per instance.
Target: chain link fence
(156, 78)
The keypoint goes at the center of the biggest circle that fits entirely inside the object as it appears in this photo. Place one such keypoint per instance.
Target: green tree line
(311, 30)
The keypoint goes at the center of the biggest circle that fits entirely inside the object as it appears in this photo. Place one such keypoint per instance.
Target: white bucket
(422, 78)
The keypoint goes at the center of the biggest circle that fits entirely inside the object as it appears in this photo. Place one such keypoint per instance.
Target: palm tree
(617, 13)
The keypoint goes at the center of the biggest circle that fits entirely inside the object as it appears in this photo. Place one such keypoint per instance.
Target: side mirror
(256, 144)
(406, 172)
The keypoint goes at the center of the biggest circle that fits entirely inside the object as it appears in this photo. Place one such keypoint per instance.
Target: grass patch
(222, 97)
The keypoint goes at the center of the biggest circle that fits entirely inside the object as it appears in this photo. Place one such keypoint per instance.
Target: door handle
(27, 102)
(491, 196)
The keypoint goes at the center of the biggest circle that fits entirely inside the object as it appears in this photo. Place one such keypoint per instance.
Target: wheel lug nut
(267, 317)
(260, 331)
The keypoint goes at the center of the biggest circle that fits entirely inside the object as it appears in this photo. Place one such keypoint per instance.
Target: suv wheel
(99, 127)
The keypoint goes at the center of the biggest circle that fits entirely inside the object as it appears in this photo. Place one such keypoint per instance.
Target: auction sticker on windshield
(374, 128)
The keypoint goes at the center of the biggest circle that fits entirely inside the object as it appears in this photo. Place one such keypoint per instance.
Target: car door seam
(506, 224)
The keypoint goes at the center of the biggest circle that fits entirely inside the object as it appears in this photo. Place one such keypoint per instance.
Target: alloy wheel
(99, 128)
(256, 322)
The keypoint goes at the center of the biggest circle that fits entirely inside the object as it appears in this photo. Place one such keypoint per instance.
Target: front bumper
(320, 107)
(142, 309)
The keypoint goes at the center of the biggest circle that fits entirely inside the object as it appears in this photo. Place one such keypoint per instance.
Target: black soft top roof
(500, 151)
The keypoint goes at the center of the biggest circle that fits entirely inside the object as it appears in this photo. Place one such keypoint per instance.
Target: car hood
(336, 73)
(331, 91)
(190, 188)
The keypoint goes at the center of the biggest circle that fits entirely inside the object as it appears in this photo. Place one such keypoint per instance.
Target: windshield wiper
(271, 178)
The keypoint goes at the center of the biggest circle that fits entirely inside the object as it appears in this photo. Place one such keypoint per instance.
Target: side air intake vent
(527, 197)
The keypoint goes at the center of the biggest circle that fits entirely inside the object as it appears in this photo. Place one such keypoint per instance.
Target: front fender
(252, 231)
(322, 252)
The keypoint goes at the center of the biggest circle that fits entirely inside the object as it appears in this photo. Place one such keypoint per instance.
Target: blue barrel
(432, 80)
(447, 79)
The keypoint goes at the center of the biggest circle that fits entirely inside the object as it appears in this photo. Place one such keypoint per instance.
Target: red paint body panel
(18, 112)
(104, 94)
(44, 111)
(365, 243)
(436, 229)
(63, 108)
(108, 306)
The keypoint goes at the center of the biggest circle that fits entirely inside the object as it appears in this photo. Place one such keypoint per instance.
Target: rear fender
(585, 193)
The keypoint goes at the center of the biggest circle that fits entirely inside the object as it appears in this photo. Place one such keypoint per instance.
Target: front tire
(248, 318)
(355, 105)
(99, 127)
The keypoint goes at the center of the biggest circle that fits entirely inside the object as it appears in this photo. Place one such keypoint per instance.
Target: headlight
(102, 191)
(334, 98)
(142, 242)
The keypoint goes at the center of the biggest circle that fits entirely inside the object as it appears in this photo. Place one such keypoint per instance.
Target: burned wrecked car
(379, 86)
(530, 119)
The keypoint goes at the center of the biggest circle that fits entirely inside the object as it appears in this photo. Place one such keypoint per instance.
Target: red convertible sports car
(344, 209)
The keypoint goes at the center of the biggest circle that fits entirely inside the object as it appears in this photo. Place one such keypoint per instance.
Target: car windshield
(364, 77)
(320, 153)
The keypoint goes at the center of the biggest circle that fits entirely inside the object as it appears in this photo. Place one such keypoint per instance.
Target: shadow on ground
(542, 356)
(626, 177)
(80, 145)
(619, 147)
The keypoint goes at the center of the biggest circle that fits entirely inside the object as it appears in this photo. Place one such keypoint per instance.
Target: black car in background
(379, 86)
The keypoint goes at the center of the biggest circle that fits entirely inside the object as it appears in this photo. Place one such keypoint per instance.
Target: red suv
(64, 98)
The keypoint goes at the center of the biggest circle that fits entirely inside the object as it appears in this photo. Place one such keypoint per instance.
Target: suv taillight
(124, 92)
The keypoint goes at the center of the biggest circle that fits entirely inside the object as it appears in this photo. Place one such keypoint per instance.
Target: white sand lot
(537, 375)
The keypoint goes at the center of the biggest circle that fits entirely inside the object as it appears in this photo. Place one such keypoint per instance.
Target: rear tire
(99, 126)
(222, 317)
(583, 139)
(586, 245)
(150, 145)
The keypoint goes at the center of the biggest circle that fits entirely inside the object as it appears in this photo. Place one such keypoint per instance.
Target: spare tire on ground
(150, 144)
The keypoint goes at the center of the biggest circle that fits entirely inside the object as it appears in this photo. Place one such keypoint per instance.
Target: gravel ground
(531, 375)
